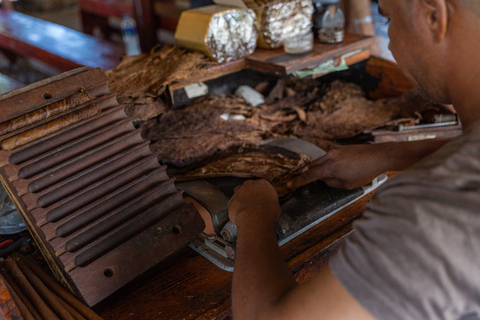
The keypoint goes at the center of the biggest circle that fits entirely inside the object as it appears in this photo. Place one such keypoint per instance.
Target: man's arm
(354, 166)
(263, 286)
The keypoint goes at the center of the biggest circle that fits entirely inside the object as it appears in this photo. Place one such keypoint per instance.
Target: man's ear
(436, 17)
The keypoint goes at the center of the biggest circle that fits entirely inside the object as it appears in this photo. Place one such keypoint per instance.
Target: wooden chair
(95, 13)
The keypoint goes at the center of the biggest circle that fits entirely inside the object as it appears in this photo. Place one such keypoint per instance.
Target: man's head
(430, 40)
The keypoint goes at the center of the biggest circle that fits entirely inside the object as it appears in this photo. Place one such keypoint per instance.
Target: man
(415, 254)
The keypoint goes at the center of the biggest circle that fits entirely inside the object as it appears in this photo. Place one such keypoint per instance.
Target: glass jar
(301, 43)
(331, 26)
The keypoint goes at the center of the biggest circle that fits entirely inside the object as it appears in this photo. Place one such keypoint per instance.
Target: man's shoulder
(419, 226)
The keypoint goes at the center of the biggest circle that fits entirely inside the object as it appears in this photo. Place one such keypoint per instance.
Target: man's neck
(466, 99)
(463, 70)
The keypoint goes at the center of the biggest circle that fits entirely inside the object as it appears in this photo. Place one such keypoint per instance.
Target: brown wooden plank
(48, 91)
(60, 47)
(215, 72)
(106, 8)
(278, 62)
(355, 58)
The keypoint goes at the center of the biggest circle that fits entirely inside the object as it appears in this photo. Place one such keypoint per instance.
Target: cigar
(47, 128)
(44, 113)
(24, 311)
(29, 291)
(60, 291)
(21, 295)
(75, 314)
(44, 292)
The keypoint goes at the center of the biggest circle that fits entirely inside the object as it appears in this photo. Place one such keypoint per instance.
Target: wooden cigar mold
(92, 194)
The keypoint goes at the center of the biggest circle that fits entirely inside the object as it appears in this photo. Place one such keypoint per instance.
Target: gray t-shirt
(415, 254)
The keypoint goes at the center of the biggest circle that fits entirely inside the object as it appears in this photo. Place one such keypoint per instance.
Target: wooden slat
(106, 8)
(60, 47)
(48, 91)
(278, 62)
(215, 72)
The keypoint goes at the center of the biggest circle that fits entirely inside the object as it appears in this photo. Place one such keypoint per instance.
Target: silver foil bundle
(280, 20)
(223, 33)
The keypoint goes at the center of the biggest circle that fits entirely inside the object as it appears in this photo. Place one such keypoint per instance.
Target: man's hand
(346, 167)
(263, 286)
(353, 166)
(255, 199)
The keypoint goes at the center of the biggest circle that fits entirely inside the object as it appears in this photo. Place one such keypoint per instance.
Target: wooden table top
(188, 286)
(48, 43)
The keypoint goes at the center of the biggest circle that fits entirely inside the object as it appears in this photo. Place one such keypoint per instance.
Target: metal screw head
(230, 250)
(226, 235)
(212, 237)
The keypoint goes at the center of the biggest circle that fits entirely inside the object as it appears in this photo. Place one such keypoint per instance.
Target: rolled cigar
(26, 315)
(44, 113)
(75, 314)
(60, 291)
(18, 291)
(30, 292)
(44, 292)
(47, 128)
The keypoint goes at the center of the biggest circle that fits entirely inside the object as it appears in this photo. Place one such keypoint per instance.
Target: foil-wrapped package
(280, 20)
(223, 33)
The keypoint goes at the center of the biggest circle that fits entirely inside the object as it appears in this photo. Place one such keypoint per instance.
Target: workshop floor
(29, 71)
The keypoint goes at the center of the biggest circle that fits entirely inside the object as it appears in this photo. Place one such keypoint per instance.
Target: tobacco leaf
(318, 113)
(271, 166)
(142, 82)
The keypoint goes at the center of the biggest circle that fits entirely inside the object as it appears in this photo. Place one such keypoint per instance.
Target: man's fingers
(316, 171)
(300, 181)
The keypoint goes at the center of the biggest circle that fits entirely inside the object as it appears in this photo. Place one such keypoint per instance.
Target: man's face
(411, 46)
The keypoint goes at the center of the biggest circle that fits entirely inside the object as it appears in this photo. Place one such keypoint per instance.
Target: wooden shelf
(355, 47)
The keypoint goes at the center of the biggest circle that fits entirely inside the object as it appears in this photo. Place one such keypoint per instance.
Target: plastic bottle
(130, 36)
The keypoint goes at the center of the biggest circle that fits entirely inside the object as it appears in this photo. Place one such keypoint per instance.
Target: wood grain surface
(188, 286)
(55, 45)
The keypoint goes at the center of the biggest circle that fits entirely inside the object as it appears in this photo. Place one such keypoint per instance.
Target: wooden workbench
(188, 286)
